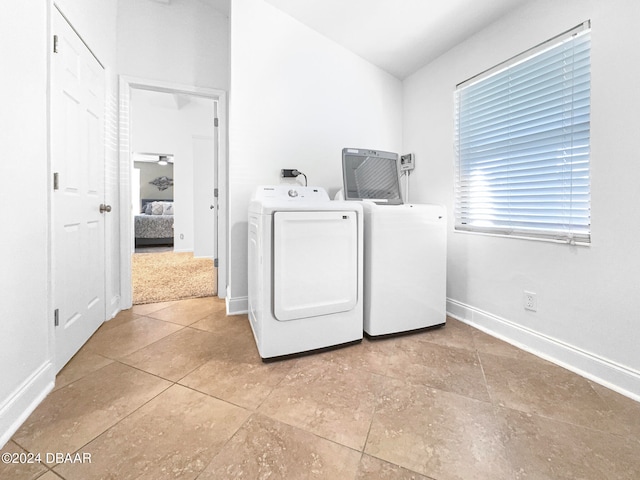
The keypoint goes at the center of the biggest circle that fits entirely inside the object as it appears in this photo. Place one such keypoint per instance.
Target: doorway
(173, 144)
(180, 124)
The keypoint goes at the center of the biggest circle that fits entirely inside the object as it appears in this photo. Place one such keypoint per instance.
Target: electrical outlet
(530, 301)
(407, 162)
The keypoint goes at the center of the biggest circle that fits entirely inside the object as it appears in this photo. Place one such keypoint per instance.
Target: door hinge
(55, 44)
(56, 317)
(215, 192)
(56, 180)
(215, 122)
(215, 262)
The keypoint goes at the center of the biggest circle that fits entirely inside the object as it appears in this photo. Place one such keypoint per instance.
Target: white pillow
(157, 208)
(168, 208)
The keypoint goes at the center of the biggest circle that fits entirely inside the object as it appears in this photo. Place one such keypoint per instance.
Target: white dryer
(305, 266)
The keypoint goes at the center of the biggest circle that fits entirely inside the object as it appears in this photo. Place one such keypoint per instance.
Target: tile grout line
(495, 408)
(498, 406)
(381, 394)
(484, 377)
(215, 398)
(104, 431)
(137, 349)
(126, 416)
(225, 443)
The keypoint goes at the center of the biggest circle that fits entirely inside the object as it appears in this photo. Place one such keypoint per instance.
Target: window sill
(525, 237)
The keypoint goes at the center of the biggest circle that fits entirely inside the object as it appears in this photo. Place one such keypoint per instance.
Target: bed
(154, 224)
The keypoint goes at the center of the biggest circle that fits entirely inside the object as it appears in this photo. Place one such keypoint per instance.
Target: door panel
(77, 155)
(315, 263)
(204, 183)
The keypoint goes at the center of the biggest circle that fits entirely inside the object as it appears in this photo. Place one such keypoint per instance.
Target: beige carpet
(161, 277)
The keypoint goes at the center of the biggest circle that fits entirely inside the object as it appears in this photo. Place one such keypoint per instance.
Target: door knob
(211, 207)
(105, 208)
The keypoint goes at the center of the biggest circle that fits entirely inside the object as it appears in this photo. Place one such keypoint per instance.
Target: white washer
(305, 267)
(405, 247)
(405, 267)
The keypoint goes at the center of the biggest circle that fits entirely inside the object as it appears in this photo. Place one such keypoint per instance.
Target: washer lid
(371, 175)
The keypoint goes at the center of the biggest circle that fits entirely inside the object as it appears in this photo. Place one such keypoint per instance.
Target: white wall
(587, 316)
(185, 42)
(296, 100)
(25, 354)
(27, 320)
(149, 171)
(160, 124)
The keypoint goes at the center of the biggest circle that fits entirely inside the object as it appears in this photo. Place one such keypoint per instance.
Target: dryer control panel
(289, 193)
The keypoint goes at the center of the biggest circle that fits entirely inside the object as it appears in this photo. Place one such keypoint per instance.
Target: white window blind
(522, 145)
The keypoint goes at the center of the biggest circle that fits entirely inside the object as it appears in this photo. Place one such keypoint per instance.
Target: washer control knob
(293, 193)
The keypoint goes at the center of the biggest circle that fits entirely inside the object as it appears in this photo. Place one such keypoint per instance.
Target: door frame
(126, 84)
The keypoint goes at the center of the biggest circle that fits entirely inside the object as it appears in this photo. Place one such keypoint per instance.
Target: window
(522, 144)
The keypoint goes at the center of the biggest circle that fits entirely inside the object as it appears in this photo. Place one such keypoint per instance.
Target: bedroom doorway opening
(174, 149)
(152, 202)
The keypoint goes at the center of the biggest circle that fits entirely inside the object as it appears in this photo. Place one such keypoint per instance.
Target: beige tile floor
(177, 390)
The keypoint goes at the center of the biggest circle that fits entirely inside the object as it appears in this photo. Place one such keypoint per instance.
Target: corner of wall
(236, 305)
(24, 400)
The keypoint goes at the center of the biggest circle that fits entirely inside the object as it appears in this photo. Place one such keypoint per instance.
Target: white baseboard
(610, 374)
(18, 406)
(211, 257)
(116, 308)
(237, 305)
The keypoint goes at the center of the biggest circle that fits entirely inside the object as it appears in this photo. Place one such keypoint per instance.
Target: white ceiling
(399, 36)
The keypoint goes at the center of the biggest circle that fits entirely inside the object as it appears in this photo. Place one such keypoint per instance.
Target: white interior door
(77, 158)
(204, 201)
